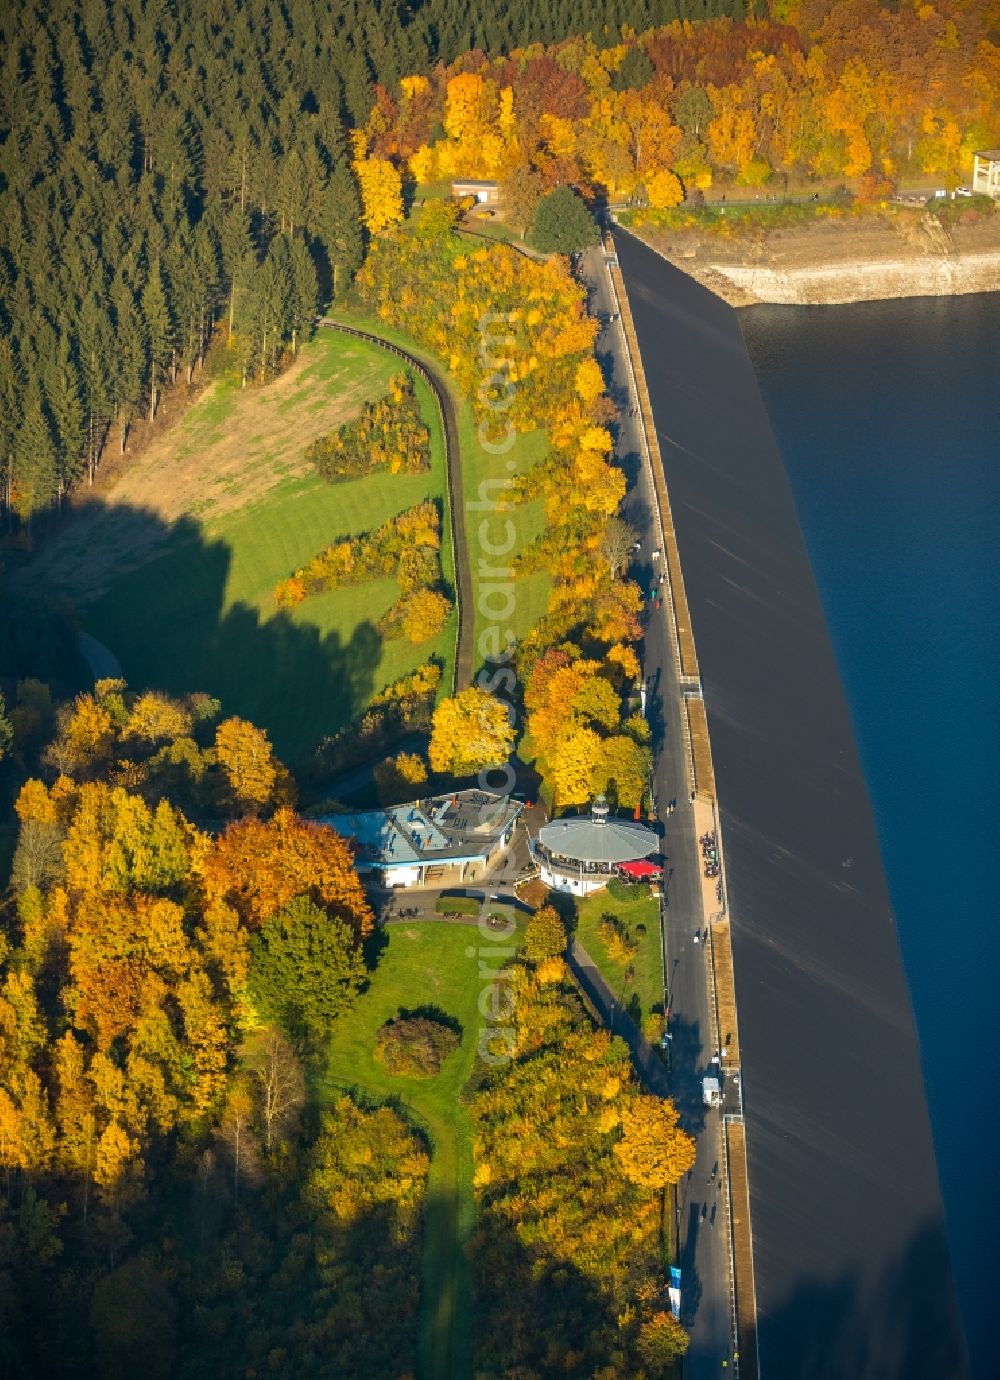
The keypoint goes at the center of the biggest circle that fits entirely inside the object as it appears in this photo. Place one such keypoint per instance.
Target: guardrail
(462, 670)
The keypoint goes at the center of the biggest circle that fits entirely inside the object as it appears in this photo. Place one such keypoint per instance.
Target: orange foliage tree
(257, 867)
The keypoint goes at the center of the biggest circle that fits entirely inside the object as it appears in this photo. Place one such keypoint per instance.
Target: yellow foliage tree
(574, 765)
(466, 110)
(470, 731)
(156, 718)
(545, 936)
(661, 1341)
(88, 729)
(621, 663)
(381, 193)
(550, 971)
(114, 1151)
(664, 190)
(653, 1151)
(34, 804)
(589, 381)
(245, 755)
(424, 615)
(621, 770)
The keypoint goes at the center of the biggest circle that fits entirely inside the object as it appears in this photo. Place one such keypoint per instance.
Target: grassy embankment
(427, 964)
(479, 466)
(736, 220)
(646, 983)
(175, 569)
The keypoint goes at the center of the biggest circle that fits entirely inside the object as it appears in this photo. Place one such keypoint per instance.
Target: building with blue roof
(444, 840)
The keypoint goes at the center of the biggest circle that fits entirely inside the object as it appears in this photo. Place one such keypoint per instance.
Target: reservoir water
(888, 418)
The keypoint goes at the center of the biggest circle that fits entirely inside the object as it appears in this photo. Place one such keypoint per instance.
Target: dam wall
(850, 1256)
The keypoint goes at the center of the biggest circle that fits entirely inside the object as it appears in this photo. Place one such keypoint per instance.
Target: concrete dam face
(851, 1262)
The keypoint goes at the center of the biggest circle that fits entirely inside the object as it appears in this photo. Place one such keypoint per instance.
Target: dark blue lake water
(888, 417)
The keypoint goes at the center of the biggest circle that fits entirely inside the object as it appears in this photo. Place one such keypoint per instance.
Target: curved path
(103, 663)
(464, 640)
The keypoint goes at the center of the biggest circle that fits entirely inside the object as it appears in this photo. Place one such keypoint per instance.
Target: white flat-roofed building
(986, 173)
(486, 193)
(581, 854)
(444, 840)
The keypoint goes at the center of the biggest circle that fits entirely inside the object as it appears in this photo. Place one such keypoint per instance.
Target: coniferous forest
(167, 164)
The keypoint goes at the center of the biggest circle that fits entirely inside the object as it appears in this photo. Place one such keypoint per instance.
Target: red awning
(641, 868)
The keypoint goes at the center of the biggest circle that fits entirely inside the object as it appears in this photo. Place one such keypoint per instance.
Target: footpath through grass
(175, 570)
(645, 986)
(424, 964)
(483, 473)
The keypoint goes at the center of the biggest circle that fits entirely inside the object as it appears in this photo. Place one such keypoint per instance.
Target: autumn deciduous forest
(186, 1187)
(851, 90)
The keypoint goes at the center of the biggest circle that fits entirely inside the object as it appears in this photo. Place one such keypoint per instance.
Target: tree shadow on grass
(168, 623)
(430, 1012)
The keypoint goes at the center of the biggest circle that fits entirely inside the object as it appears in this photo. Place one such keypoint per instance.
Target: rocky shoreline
(836, 264)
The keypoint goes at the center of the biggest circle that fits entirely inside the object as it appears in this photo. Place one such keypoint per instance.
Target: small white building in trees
(986, 173)
(486, 193)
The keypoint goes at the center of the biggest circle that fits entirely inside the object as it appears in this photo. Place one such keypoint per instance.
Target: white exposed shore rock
(852, 280)
(838, 261)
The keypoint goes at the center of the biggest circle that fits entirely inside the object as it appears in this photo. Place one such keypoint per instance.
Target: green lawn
(189, 605)
(428, 964)
(529, 594)
(647, 965)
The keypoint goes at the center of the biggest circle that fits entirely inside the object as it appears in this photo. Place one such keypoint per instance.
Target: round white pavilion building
(582, 853)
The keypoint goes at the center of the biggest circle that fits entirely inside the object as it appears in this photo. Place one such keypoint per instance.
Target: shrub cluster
(627, 891)
(415, 1046)
(617, 938)
(407, 546)
(405, 706)
(389, 435)
(395, 548)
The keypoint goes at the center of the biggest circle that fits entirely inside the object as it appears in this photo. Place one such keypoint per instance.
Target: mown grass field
(647, 966)
(427, 964)
(174, 571)
(528, 594)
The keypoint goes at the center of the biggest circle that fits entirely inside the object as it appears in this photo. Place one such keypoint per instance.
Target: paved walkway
(465, 638)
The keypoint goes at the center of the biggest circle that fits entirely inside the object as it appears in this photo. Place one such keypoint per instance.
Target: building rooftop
(992, 154)
(474, 182)
(597, 838)
(460, 827)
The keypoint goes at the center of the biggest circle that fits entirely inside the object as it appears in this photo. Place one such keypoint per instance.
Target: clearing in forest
(174, 567)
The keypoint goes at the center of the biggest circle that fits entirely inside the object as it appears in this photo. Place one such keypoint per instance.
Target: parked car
(963, 191)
